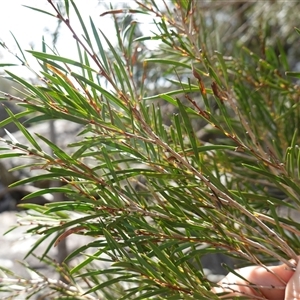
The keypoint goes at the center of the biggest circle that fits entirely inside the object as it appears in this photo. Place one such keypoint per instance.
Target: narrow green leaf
(67, 8)
(265, 173)
(100, 46)
(109, 282)
(26, 84)
(7, 65)
(82, 23)
(105, 93)
(189, 130)
(15, 117)
(169, 62)
(121, 67)
(165, 260)
(223, 66)
(10, 154)
(292, 74)
(109, 164)
(56, 150)
(20, 49)
(40, 177)
(87, 261)
(39, 242)
(25, 132)
(184, 3)
(47, 57)
(49, 190)
(40, 10)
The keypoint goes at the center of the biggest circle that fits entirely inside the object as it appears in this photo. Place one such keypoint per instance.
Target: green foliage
(149, 186)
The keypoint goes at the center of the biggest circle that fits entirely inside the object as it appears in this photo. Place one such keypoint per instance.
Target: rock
(213, 262)
(61, 132)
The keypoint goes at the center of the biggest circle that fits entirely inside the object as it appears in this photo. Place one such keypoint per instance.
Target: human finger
(269, 282)
(292, 290)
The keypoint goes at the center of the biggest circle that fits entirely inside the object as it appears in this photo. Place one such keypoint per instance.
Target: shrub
(186, 150)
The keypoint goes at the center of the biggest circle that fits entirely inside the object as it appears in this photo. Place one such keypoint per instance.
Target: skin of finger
(260, 276)
(276, 276)
(292, 291)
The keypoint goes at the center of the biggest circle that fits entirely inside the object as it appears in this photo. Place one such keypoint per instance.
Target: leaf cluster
(155, 191)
